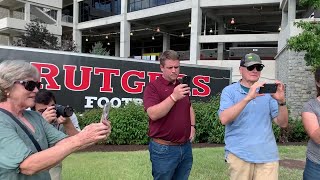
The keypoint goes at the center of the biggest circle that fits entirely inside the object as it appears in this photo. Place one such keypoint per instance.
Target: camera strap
(35, 143)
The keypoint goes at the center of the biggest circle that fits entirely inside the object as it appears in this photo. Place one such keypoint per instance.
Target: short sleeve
(274, 108)
(226, 100)
(307, 107)
(12, 148)
(150, 97)
(53, 135)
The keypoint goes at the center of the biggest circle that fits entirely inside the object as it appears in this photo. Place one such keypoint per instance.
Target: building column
(221, 30)
(27, 12)
(76, 34)
(284, 19)
(10, 41)
(166, 42)
(292, 10)
(59, 17)
(117, 47)
(125, 28)
(196, 19)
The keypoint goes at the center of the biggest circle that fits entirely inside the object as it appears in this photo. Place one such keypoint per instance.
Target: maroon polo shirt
(176, 125)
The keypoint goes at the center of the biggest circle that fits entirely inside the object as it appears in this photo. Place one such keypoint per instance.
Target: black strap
(36, 144)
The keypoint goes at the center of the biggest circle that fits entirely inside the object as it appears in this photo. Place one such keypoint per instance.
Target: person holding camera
(171, 121)
(251, 150)
(29, 145)
(61, 117)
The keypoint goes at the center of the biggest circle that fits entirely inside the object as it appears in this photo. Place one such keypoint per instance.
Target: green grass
(208, 164)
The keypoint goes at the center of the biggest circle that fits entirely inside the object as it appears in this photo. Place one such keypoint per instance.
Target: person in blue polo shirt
(251, 150)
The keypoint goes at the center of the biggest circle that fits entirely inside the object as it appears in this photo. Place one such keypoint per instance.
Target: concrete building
(205, 32)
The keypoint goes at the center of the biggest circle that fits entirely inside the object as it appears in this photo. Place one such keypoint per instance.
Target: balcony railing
(135, 5)
(67, 18)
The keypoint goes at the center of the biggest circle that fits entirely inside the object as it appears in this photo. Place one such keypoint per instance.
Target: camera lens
(65, 111)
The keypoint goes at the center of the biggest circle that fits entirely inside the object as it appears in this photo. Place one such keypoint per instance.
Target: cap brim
(251, 63)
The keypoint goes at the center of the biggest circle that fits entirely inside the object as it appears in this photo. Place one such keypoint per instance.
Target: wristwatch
(282, 104)
(194, 126)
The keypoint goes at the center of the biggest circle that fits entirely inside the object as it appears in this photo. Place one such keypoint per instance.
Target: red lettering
(85, 78)
(197, 81)
(53, 71)
(138, 85)
(154, 75)
(106, 78)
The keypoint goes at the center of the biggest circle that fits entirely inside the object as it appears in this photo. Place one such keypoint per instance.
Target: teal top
(15, 145)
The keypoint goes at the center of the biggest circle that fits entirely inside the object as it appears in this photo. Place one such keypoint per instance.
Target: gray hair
(12, 71)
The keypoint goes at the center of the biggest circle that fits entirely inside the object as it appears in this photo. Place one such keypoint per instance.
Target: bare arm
(47, 158)
(311, 125)
(230, 114)
(193, 122)
(68, 125)
(160, 110)
(282, 119)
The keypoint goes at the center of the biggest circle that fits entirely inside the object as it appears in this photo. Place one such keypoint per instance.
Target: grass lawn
(208, 164)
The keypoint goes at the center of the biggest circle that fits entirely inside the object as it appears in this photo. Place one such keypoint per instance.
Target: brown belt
(169, 143)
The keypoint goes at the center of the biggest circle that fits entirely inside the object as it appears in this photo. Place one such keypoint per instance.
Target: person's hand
(279, 95)
(180, 91)
(63, 120)
(192, 134)
(252, 94)
(50, 114)
(94, 133)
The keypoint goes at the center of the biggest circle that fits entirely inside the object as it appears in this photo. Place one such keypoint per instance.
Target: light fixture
(87, 39)
(232, 21)
(211, 30)
(152, 38)
(108, 43)
(279, 29)
(158, 29)
(107, 37)
(189, 24)
(131, 33)
(182, 35)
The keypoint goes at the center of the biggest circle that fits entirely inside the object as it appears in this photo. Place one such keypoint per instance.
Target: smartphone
(186, 80)
(268, 88)
(106, 110)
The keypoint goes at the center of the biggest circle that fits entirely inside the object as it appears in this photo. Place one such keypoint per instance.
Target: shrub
(130, 124)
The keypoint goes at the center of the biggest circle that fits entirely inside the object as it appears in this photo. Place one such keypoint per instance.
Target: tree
(98, 49)
(38, 36)
(308, 40)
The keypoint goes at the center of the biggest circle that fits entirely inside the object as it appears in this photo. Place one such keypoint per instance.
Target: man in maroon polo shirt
(171, 121)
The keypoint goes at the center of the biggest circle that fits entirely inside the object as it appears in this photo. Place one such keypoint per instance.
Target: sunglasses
(258, 67)
(29, 85)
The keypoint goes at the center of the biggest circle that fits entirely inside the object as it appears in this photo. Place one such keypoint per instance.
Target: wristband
(173, 99)
(194, 126)
(282, 104)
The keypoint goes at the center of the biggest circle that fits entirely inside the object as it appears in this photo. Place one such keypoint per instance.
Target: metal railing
(67, 18)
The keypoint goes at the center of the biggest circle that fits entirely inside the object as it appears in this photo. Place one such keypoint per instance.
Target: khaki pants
(241, 170)
(55, 172)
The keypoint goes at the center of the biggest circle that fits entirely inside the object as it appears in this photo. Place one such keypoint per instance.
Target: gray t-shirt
(15, 145)
(313, 149)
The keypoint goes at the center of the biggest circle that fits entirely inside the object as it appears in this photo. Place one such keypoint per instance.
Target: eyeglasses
(258, 67)
(29, 85)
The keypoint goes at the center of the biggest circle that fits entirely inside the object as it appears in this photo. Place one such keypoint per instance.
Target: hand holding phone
(268, 89)
(105, 111)
(186, 80)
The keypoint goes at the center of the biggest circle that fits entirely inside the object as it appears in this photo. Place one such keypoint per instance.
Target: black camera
(65, 111)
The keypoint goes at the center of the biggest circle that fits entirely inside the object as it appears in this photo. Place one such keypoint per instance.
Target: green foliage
(98, 49)
(209, 128)
(130, 124)
(313, 3)
(307, 41)
(38, 36)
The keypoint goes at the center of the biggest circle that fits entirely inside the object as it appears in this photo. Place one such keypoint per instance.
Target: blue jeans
(170, 162)
(311, 171)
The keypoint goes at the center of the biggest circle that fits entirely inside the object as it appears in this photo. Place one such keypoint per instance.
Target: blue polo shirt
(250, 136)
